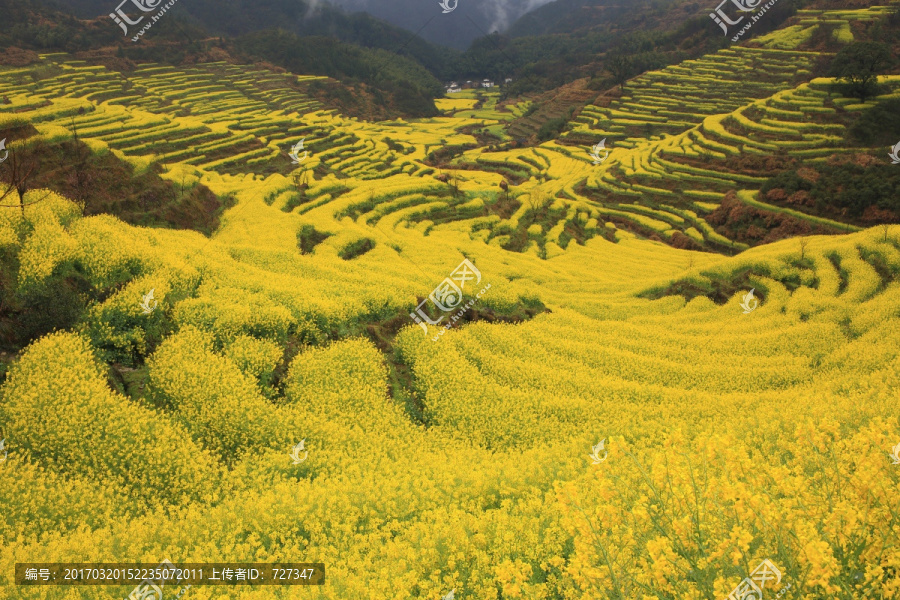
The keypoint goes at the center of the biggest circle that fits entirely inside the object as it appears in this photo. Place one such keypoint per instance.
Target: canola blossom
(728, 437)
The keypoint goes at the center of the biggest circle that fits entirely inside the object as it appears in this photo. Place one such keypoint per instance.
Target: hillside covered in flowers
(644, 398)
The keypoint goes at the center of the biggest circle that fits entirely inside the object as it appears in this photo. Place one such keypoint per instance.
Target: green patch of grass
(878, 262)
(720, 289)
(356, 249)
(843, 274)
(309, 237)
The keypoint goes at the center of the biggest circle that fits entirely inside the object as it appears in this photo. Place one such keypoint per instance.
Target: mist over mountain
(458, 29)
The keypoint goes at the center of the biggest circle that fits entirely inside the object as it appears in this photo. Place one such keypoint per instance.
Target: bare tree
(804, 244)
(301, 180)
(18, 171)
(81, 154)
(536, 201)
(454, 183)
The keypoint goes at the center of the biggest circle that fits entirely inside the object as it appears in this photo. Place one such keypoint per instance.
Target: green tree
(859, 64)
(620, 66)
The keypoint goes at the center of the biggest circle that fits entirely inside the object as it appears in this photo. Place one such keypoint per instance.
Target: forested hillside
(356, 50)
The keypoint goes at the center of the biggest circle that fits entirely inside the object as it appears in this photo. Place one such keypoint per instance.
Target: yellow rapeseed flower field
(729, 436)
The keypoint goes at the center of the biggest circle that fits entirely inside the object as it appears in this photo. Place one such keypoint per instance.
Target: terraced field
(457, 458)
(679, 97)
(840, 22)
(679, 172)
(693, 170)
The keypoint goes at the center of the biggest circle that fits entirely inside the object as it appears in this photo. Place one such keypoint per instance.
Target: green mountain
(240, 17)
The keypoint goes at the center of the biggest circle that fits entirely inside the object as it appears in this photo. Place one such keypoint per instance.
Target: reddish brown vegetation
(753, 226)
(679, 240)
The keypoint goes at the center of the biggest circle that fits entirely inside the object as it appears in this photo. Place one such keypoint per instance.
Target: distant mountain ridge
(457, 29)
(303, 17)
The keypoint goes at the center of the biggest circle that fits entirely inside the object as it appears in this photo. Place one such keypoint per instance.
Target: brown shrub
(802, 198)
(683, 242)
(873, 214)
(776, 195)
(808, 174)
(756, 233)
(17, 57)
(865, 160)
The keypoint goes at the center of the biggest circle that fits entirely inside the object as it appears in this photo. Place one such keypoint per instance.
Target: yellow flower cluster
(462, 464)
(58, 410)
(695, 516)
